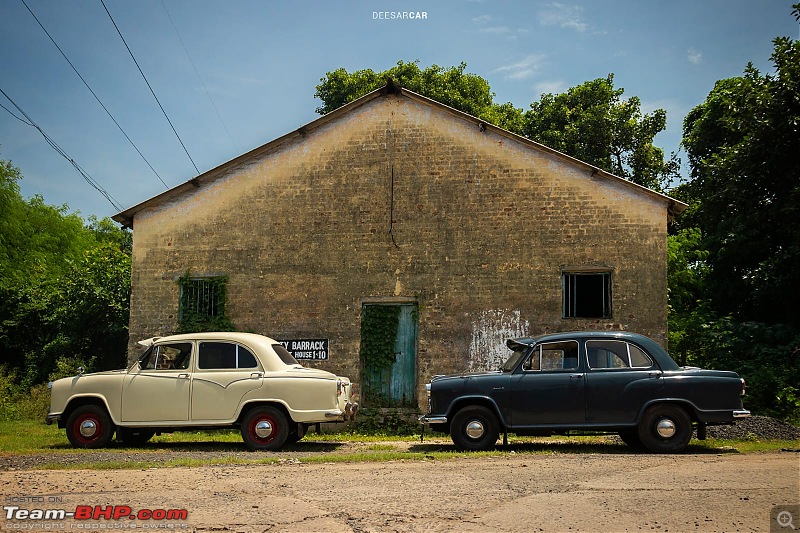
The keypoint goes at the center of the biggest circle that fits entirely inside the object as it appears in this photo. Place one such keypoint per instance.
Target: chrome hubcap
(88, 428)
(475, 429)
(263, 429)
(666, 428)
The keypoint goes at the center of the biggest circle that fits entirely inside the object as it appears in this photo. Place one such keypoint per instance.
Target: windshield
(513, 361)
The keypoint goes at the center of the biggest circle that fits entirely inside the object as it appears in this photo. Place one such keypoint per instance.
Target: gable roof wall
(126, 217)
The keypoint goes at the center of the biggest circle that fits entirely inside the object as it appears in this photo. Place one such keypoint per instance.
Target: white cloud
(483, 19)
(564, 16)
(695, 57)
(523, 69)
(550, 86)
(496, 30)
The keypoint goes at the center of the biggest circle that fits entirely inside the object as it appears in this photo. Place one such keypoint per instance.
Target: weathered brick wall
(482, 224)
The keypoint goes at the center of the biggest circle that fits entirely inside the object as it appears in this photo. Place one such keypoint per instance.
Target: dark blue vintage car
(614, 382)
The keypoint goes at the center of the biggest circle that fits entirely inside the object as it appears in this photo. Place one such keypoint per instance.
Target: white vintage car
(202, 381)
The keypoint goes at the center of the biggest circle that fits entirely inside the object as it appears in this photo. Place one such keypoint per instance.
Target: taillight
(339, 387)
(744, 387)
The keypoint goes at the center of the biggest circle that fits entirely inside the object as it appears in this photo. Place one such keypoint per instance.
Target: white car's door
(159, 388)
(225, 372)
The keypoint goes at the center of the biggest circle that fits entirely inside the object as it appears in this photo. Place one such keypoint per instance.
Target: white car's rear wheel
(265, 428)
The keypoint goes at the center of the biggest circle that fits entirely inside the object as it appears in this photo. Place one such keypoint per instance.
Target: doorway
(389, 354)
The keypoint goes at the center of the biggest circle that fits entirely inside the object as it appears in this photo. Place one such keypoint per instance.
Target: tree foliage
(451, 86)
(742, 144)
(594, 123)
(64, 287)
(735, 254)
(591, 122)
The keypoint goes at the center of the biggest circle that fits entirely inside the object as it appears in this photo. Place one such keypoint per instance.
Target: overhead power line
(15, 116)
(148, 85)
(91, 181)
(93, 94)
(225, 127)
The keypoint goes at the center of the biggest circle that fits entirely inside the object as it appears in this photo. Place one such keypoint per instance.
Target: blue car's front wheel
(474, 428)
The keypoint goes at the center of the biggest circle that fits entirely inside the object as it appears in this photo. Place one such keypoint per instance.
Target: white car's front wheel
(89, 426)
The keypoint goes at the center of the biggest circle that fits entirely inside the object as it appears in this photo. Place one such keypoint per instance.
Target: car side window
(553, 356)
(168, 357)
(614, 354)
(224, 356)
(639, 359)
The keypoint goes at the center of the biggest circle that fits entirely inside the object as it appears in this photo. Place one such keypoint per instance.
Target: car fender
(690, 407)
(476, 399)
(77, 400)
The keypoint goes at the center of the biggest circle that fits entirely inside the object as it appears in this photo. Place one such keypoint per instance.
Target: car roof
(652, 347)
(215, 335)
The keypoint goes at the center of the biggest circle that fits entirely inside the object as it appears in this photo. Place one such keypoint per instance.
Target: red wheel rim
(87, 429)
(263, 429)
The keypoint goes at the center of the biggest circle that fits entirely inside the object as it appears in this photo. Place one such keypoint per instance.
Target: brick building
(456, 234)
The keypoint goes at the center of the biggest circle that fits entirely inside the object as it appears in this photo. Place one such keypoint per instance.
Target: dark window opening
(223, 355)
(587, 294)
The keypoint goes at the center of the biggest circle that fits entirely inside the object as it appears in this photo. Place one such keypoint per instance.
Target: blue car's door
(621, 378)
(549, 388)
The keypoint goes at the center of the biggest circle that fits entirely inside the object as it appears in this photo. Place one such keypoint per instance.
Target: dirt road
(515, 492)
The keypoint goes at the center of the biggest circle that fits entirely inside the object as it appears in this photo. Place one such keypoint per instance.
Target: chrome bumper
(743, 413)
(427, 419)
(349, 413)
(52, 418)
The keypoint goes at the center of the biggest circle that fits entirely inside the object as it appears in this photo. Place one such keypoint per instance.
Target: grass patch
(28, 436)
(225, 447)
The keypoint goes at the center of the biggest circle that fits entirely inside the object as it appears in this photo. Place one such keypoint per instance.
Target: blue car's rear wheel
(665, 428)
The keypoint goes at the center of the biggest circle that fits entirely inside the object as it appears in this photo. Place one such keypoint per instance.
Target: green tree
(591, 122)
(64, 286)
(37, 241)
(451, 86)
(735, 253)
(742, 144)
(594, 123)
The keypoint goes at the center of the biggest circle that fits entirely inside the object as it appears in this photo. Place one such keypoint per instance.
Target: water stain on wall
(490, 331)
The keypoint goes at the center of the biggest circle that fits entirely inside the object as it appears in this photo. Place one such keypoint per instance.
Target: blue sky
(259, 62)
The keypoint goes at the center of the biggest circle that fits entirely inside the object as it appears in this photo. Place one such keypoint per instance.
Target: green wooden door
(388, 355)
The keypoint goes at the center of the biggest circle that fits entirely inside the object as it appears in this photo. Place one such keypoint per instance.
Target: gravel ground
(756, 427)
(593, 492)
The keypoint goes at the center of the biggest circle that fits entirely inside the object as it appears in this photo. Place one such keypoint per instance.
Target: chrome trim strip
(744, 413)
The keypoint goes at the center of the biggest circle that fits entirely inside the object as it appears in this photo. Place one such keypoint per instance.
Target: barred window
(586, 294)
(202, 298)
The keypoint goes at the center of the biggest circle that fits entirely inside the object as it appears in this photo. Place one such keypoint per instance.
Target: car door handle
(183, 376)
(575, 376)
(655, 374)
(257, 375)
